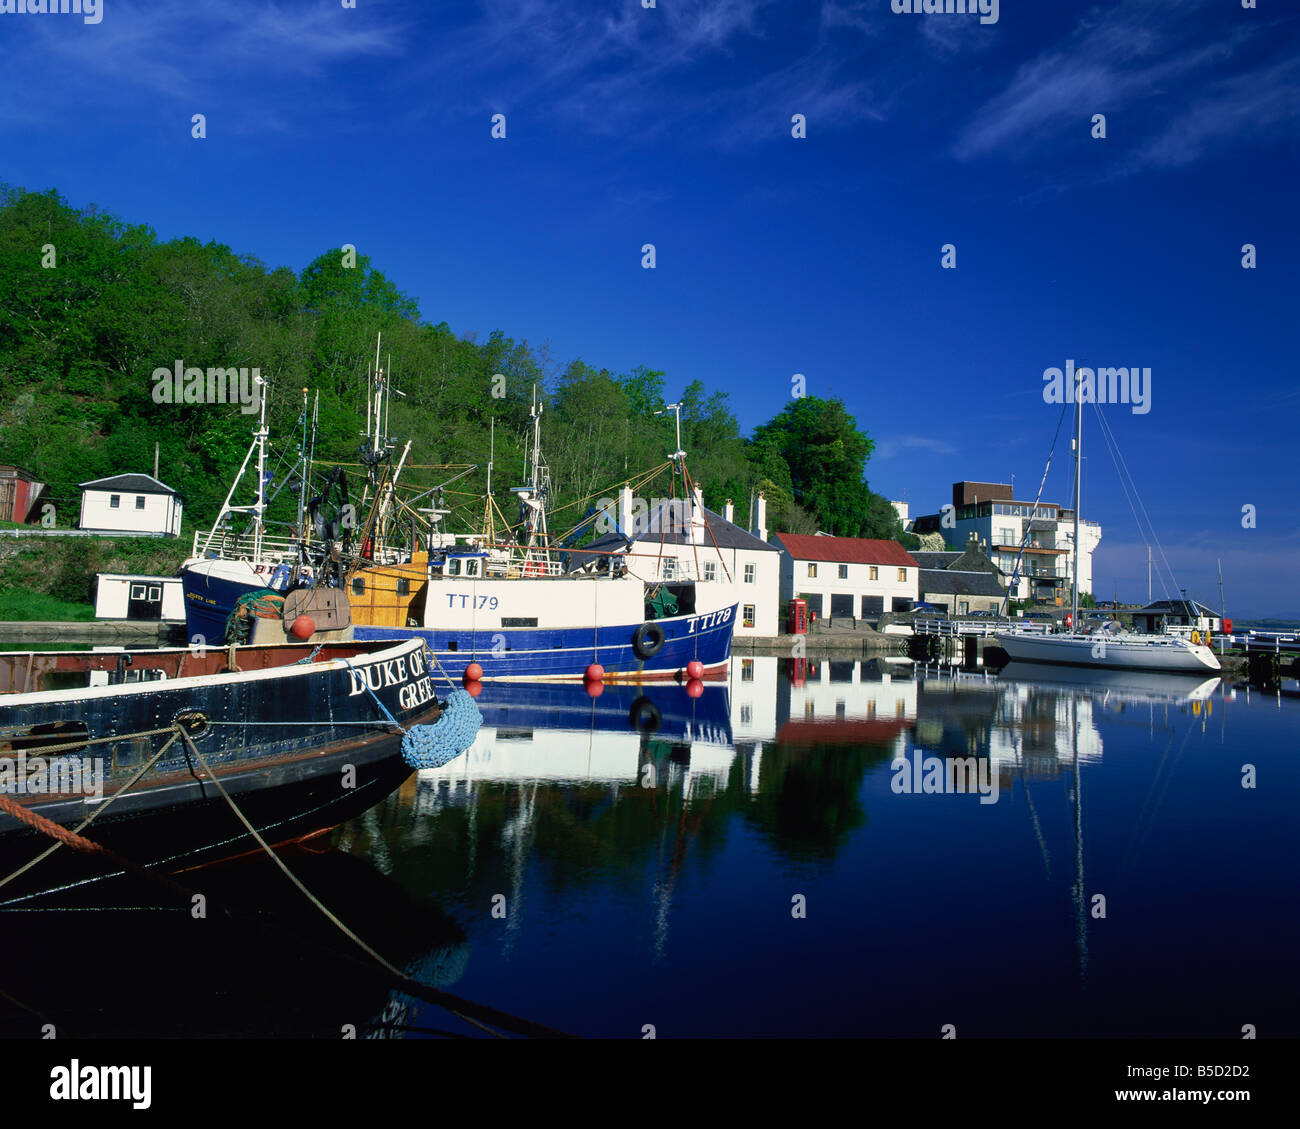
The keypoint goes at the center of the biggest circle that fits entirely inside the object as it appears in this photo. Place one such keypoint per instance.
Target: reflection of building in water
(821, 701)
(627, 735)
(1020, 727)
(1031, 719)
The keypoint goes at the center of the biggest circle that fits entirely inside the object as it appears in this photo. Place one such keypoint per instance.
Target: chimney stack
(625, 512)
(760, 523)
(697, 516)
(729, 510)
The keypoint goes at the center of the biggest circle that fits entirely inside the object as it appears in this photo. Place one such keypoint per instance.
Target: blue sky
(775, 255)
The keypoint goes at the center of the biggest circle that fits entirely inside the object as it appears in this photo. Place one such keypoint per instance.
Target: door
(872, 605)
(144, 601)
(841, 606)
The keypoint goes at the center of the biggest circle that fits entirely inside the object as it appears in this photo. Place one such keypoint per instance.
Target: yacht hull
(1101, 652)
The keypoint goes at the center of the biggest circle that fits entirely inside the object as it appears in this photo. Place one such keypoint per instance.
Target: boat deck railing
(981, 628)
(233, 546)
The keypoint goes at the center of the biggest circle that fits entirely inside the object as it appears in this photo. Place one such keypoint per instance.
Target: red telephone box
(797, 618)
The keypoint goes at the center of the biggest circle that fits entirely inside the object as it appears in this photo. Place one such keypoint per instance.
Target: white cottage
(132, 596)
(130, 503)
(847, 577)
(683, 540)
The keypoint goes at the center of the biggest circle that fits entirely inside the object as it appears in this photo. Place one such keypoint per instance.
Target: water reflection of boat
(557, 731)
(664, 708)
(1123, 685)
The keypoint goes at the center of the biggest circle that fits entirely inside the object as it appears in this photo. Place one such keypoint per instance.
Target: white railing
(235, 546)
(953, 628)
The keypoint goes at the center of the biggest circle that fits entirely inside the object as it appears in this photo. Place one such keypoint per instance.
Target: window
(155, 594)
(963, 607)
(812, 570)
(711, 570)
(471, 568)
(747, 670)
(748, 610)
(139, 501)
(746, 715)
(114, 501)
(902, 576)
(1006, 536)
(749, 574)
(875, 573)
(403, 586)
(844, 572)
(137, 591)
(670, 568)
(358, 586)
(453, 566)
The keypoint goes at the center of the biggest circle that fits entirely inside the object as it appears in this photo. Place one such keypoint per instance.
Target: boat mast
(378, 394)
(302, 471)
(489, 526)
(1078, 481)
(260, 507)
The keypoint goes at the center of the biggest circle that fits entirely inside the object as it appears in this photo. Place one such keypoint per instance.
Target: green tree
(826, 454)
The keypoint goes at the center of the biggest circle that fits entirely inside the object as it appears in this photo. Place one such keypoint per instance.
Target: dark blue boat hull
(530, 652)
(298, 748)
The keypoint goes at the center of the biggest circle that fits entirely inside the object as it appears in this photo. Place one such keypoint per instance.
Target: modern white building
(130, 503)
(847, 576)
(990, 512)
(683, 540)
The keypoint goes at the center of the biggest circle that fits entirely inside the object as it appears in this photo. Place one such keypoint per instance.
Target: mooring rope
(385, 964)
(72, 838)
(23, 814)
(455, 1005)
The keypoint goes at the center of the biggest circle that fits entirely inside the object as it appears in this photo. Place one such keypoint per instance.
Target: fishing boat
(226, 566)
(516, 611)
(1104, 647)
(300, 738)
(229, 565)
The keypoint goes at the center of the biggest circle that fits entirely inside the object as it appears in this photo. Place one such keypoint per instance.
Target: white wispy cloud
(1148, 62)
(638, 72)
(200, 50)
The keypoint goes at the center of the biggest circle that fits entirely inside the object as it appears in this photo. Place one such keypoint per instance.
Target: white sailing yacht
(1105, 648)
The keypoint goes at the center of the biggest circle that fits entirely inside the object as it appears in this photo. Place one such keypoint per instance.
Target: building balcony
(1032, 547)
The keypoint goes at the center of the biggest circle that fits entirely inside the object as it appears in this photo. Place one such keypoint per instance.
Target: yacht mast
(1078, 480)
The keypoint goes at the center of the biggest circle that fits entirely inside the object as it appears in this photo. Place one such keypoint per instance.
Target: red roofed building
(847, 577)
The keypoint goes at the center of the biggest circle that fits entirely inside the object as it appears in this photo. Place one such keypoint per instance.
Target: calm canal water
(770, 859)
(791, 853)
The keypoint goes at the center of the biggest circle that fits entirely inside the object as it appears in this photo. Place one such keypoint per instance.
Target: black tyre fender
(648, 640)
(644, 716)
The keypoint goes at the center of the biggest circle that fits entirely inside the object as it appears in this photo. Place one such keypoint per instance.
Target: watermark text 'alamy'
(986, 9)
(91, 11)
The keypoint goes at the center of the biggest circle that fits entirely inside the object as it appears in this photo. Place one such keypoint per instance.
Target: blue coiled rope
(432, 746)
